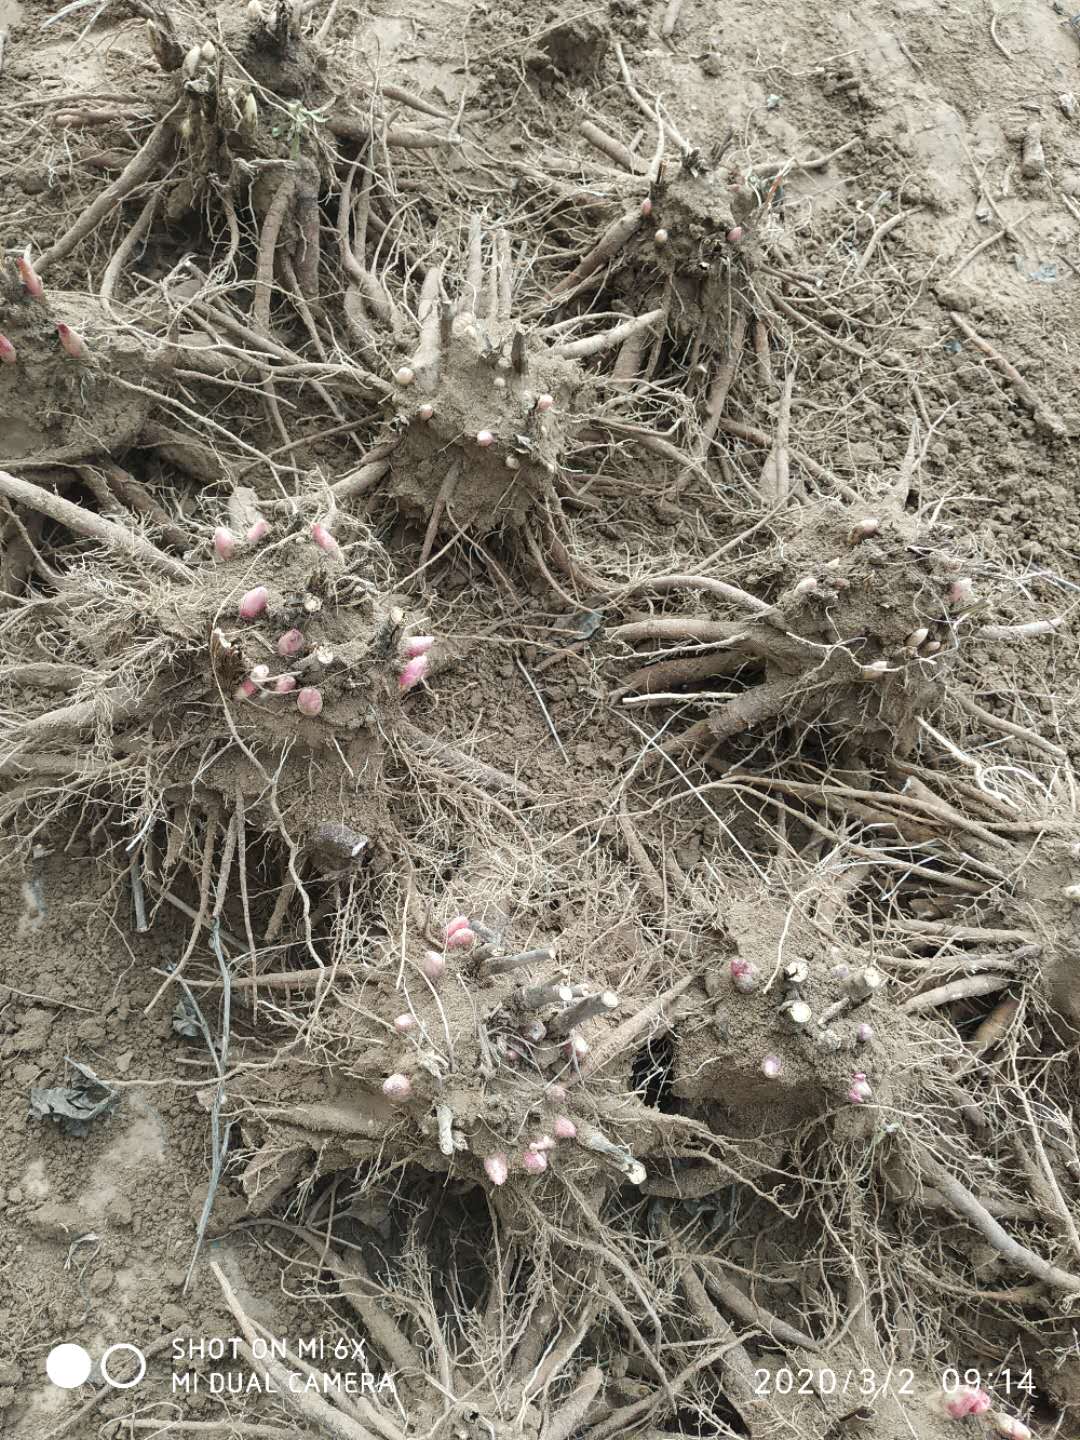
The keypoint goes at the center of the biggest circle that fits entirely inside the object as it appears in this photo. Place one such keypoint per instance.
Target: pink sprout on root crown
(577, 1047)
(7, 351)
(405, 375)
(285, 684)
(71, 342)
(325, 540)
(496, 1169)
(967, 1401)
(1009, 1425)
(961, 592)
(258, 531)
(413, 672)
(864, 1033)
(28, 275)
(254, 602)
(433, 965)
(418, 645)
(291, 643)
(426, 412)
(485, 438)
(544, 1143)
(734, 235)
(771, 1067)
(224, 543)
(459, 922)
(860, 1090)
(660, 238)
(404, 1023)
(646, 207)
(564, 1128)
(744, 975)
(461, 939)
(864, 528)
(545, 402)
(245, 690)
(397, 1087)
(309, 701)
(535, 1161)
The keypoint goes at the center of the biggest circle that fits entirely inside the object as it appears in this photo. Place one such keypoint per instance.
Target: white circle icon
(68, 1366)
(130, 1350)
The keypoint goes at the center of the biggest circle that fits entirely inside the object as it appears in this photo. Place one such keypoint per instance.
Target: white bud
(209, 53)
(405, 375)
(191, 60)
(916, 638)
(805, 585)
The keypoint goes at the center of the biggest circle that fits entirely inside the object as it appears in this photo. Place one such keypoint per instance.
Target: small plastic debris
(185, 1022)
(586, 623)
(73, 1107)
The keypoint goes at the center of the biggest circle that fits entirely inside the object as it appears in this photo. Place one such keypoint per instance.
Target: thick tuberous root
(485, 408)
(852, 628)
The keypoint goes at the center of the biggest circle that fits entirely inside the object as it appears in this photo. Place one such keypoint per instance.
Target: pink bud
(405, 375)
(545, 402)
(960, 592)
(535, 1161)
(485, 437)
(744, 976)
(864, 528)
(426, 412)
(413, 672)
(245, 690)
(285, 684)
(259, 673)
(646, 207)
(557, 1093)
(734, 235)
(967, 1401)
(1009, 1425)
(254, 602)
(461, 940)
(7, 351)
(224, 543)
(564, 1127)
(860, 1090)
(459, 922)
(258, 531)
(418, 645)
(771, 1067)
(291, 643)
(496, 1169)
(29, 276)
(545, 1142)
(325, 541)
(864, 1033)
(309, 701)
(71, 342)
(433, 965)
(397, 1087)
(806, 585)
(404, 1023)
(577, 1047)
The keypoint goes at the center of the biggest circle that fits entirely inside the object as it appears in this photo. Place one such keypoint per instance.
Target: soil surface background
(931, 102)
